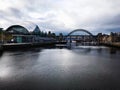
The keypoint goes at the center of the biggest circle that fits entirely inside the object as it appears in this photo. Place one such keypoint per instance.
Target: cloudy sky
(62, 15)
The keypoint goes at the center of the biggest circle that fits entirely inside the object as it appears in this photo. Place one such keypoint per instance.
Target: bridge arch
(89, 38)
(83, 30)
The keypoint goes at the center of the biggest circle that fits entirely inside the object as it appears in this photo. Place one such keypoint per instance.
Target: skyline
(62, 16)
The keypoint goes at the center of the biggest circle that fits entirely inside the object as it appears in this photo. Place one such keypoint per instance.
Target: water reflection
(56, 68)
(98, 49)
(1, 53)
(15, 61)
(113, 50)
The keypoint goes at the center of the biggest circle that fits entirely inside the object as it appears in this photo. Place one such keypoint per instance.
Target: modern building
(24, 34)
(20, 34)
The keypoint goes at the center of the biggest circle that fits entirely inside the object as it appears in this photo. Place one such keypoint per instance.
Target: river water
(82, 67)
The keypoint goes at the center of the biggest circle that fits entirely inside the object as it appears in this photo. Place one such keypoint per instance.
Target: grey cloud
(2, 15)
(64, 15)
(16, 13)
(114, 20)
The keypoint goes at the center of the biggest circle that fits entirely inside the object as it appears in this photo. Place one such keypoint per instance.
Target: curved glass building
(20, 34)
(17, 29)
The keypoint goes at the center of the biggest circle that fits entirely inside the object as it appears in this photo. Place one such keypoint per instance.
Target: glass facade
(19, 34)
(22, 35)
(16, 29)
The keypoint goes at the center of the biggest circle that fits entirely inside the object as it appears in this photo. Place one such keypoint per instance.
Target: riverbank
(8, 46)
(14, 46)
(116, 44)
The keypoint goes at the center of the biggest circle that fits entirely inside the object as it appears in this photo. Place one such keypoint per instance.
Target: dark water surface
(79, 68)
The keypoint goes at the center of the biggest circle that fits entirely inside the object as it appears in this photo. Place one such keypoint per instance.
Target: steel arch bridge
(89, 38)
(83, 30)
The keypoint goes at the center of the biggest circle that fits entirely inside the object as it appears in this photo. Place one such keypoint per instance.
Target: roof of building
(17, 29)
(23, 29)
(36, 30)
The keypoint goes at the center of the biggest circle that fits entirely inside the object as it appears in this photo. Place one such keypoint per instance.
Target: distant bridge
(83, 30)
(81, 38)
